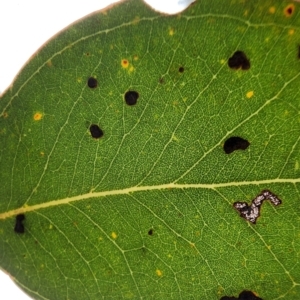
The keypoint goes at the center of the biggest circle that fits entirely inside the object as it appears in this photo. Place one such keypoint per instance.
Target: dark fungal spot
(289, 10)
(239, 60)
(131, 97)
(19, 227)
(161, 80)
(252, 212)
(96, 131)
(244, 295)
(92, 82)
(181, 69)
(235, 143)
(150, 232)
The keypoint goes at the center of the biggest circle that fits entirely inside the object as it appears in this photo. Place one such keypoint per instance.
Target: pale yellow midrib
(135, 189)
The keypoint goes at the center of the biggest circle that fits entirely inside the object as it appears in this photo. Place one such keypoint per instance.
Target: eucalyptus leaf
(152, 156)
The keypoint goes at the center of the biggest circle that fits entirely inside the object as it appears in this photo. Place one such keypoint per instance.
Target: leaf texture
(126, 141)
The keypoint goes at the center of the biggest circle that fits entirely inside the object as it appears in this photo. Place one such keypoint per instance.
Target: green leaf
(141, 204)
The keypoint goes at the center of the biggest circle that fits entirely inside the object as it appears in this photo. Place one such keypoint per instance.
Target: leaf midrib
(135, 189)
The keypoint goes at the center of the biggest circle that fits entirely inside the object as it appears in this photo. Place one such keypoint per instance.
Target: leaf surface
(114, 145)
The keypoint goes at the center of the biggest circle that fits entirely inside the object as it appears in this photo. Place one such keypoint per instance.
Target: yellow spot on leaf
(114, 235)
(272, 10)
(131, 69)
(79, 79)
(291, 31)
(171, 31)
(222, 61)
(135, 57)
(49, 63)
(192, 245)
(250, 94)
(296, 165)
(124, 63)
(42, 153)
(5, 115)
(158, 273)
(136, 20)
(289, 10)
(38, 116)
(50, 226)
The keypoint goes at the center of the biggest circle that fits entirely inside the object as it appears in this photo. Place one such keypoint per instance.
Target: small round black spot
(150, 232)
(181, 69)
(131, 97)
(92, 82)
(235, 143)
(96, 131)
(19, 227)
(239, 60)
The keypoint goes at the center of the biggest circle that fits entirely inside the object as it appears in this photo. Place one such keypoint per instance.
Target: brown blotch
(289, 10)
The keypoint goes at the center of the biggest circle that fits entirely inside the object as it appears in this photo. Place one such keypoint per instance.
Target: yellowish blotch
(114, 235)
(50, 226)
(135, 57)
(296, 165)
(49, 63)
(250, 94)
(5, 115)
(79, 79)
(171, 31)
(124, 63)
(42, 153)
(291, 31)
(131, 69)
(136, 20)
(222, 61)
(158, 272)
(272, 10)
(37, 116)
(289, 10)
(192, 245)
(246, 12)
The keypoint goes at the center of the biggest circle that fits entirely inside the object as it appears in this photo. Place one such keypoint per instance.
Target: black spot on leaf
(150, 232)
(239, 60)
(235, 143)
(96, 131)
(19, 227)
(289, 10)
(92, 82)
(131, 97)
(181, 69)
(244, 295)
